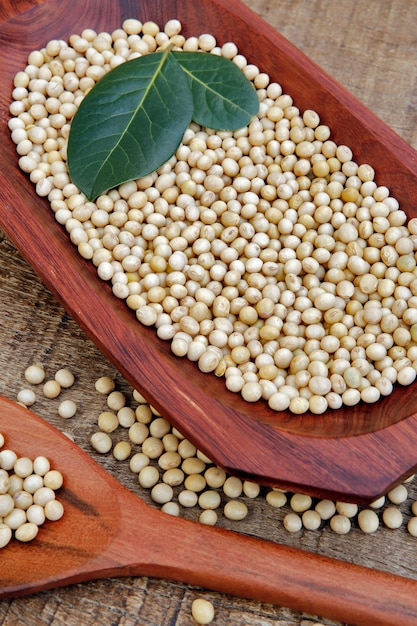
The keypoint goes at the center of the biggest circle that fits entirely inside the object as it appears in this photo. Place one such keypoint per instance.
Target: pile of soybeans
(27, 495)
(266, 255)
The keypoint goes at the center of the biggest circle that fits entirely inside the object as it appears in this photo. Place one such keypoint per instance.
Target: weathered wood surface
(367, 46)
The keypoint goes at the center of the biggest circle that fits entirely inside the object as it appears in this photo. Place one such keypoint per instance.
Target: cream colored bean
(193, 465)
(377, 504)
(51, 389)
(195, 482)
(208, 517)
(215, 477)
(4, 482)
(43, 495)
(35, 514)
(107, 421)
(169, 460)
(159, 427)
(209, 499)
(171, 508)
(5, 535)
(7, 459)
(148, 477)
(398, 495)
(233, 487)
(101, 442)
(152, 447)
(250, 489)
(104, 385)
(6, 504)
(162, 493)
(15, 518)
(116, 400)
(311, 520)
(27, 397)
(173, 476)
(67, 409)
(26, 532)
(16, 484)
(126, 417)
(326, 509)
(300, 502)
(53, 479)
(412, 526)
(187, 498)
(235, 510)
(65, 378)
(122, 450)
(54, 510)
(276, 498)
(138, 461)
(202, 610)
(340, 524)
(292, 522)
(347, 509)
(368, 521)
(41, 465)
(392, 517)
(23, 467)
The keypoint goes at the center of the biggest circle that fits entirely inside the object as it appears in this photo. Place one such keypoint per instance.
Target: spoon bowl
(106, 530)
(341, 454)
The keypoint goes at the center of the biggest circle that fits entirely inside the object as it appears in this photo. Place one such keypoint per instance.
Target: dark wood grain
(98, 537)
(344, 448)
(11, 8)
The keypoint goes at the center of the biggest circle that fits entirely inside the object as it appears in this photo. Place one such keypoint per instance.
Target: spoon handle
(248, 567)
(108, 531)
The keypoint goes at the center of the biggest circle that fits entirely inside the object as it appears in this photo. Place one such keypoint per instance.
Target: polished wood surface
(269, 447)
(368, 47)
(98, 537)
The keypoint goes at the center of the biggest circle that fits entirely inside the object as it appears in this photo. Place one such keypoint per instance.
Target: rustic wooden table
(367, 45)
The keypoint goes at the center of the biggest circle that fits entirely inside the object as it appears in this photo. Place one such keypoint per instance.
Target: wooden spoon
(356, 453)
(107, 530)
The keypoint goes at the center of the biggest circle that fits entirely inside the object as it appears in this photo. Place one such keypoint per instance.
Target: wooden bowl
(354, 453)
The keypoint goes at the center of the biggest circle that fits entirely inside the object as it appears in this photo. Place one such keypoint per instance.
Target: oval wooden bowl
(353, 453)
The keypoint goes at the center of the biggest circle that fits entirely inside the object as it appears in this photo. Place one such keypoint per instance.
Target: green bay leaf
(129, 124)
(224, 99)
